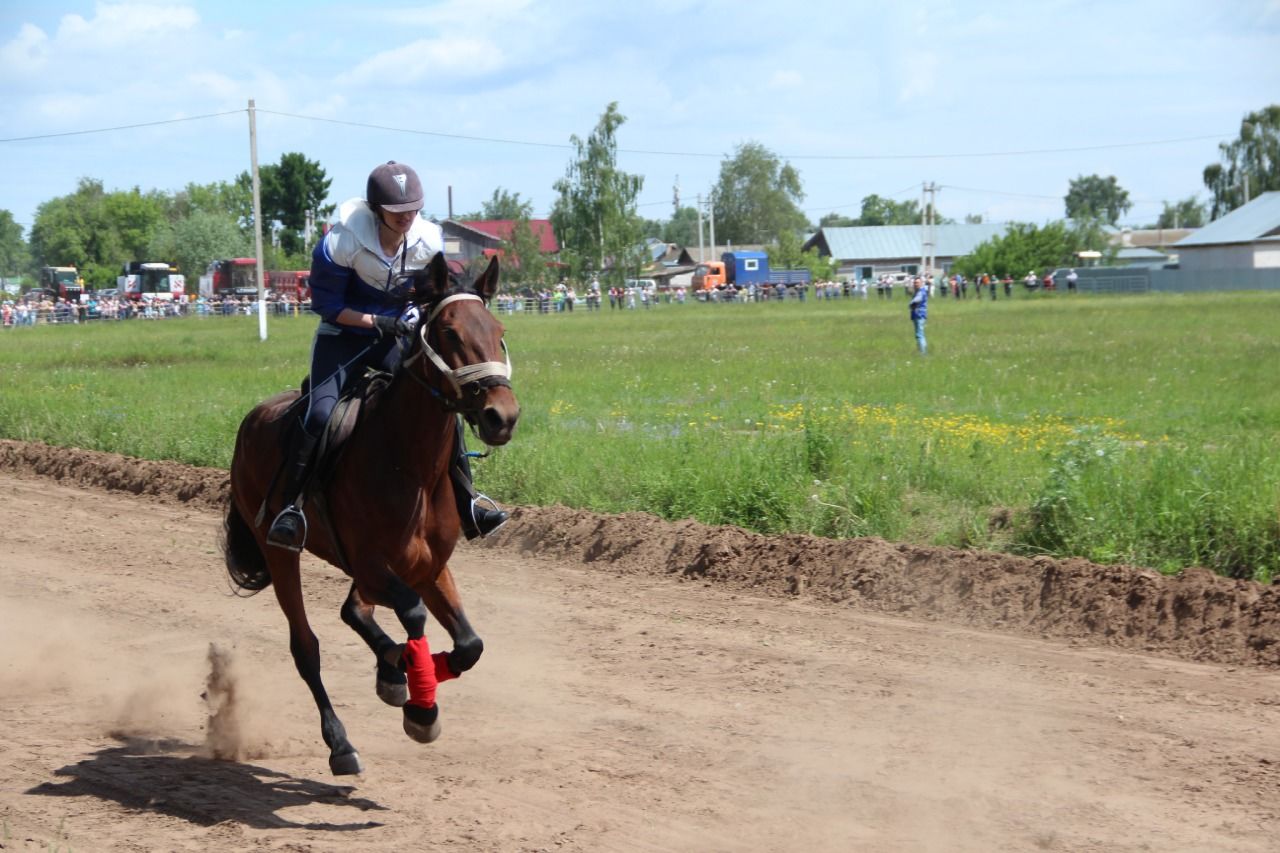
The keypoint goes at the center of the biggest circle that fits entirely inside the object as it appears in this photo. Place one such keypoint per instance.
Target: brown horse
(386, 516)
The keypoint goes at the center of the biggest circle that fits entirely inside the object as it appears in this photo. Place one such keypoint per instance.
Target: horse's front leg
(390, 682)
(442, 599)
(422, 669)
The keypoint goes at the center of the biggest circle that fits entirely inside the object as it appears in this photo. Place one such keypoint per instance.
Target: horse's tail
(246, 564)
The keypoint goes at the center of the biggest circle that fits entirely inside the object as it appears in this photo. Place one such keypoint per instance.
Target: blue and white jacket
(919, 304)
(348, 269)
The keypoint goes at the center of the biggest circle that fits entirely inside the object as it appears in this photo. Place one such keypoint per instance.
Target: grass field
(1121, 429)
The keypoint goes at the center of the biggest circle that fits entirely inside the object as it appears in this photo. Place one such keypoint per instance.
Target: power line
(119, 127)
(462, 136)
(909, 189)
(1000, 192)
(955, 155)
(704, 154)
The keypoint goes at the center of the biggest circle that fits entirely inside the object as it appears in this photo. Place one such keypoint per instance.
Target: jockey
(354, 289)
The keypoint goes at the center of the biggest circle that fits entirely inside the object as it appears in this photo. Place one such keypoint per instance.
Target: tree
(292, 194)
(757, 197)
(14, 257)
(1250, 163)
(1187, 213)
(229, 197)
(504, 205)
(885, 211)
(787, 253)
(96, 231)
(595, 213)
(681, 228)
(193, 241)
(1096, 197)
(1025, 247)
(526, 264)
(836, 220)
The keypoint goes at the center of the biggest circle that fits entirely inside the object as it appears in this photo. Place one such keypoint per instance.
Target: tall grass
(1134, 429)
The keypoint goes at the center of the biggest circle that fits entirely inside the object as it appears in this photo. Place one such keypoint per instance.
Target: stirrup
(289, 530)
(484, 520)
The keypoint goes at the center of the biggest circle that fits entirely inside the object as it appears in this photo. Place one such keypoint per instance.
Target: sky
(1001, 104)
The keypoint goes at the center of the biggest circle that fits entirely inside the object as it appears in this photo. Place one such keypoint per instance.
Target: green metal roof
(1246, 223)
(872, 242)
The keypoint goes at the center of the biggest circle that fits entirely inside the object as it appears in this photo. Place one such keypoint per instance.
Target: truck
(742, 269)
(230, 277)
(295, 283)
(62, 283)
(151, 280)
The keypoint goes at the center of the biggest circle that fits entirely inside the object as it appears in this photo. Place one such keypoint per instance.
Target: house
(670, 264)
(1246, 238)
(466, 240)
(866, 251)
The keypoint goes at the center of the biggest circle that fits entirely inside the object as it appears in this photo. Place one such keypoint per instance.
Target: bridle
(468, 381)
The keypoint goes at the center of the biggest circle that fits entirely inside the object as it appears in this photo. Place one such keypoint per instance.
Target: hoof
(422, 724)
(395, 695)
(391, 685)
(347, 764)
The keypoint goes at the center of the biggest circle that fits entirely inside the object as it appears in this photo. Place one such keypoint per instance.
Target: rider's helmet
(394, 187)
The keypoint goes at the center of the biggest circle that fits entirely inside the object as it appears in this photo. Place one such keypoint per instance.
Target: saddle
(347, 414)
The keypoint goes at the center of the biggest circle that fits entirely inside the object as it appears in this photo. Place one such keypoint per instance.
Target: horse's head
(459, 344)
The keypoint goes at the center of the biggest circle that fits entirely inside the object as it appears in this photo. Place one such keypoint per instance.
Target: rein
(498, 372)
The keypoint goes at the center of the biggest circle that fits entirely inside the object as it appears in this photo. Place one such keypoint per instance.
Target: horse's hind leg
(391, 685)
(287, 582)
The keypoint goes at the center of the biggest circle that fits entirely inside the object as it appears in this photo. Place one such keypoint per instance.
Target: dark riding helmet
(394, 187)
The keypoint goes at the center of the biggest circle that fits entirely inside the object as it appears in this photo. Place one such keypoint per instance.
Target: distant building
(465, 240)
(670, 264)
(866, 251)
(1246, 238)
(1141, 257)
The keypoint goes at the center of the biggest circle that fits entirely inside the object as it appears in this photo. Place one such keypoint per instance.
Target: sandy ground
(617, 707)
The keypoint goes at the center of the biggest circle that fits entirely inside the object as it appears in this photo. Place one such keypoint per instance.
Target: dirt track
(646, 686)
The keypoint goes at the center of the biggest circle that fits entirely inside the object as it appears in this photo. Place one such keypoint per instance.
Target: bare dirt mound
(1196, 615)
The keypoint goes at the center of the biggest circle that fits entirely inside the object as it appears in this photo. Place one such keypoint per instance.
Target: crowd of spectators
(561, 298)
(42, 309)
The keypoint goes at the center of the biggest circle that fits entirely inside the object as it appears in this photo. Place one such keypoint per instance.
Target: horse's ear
(487, 283)
(431, 281)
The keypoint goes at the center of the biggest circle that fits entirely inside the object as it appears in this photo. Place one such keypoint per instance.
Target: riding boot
(289, 530)
(480, 514)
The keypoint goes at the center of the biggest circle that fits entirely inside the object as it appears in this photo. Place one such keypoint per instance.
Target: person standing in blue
(356, 289)
(919, 306)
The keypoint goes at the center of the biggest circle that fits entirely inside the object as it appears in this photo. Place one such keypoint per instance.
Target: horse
(386, 506)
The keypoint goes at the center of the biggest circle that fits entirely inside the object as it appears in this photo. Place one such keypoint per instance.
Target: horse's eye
(451, 335)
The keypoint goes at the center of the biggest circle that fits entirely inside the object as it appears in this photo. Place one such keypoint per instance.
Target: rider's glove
(396, 326)
(408, 320)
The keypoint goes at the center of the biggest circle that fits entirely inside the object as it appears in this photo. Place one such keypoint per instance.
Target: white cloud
(919, 75)
(427, 59)
(26, 52)
(214, 85)
(116, 24)
(786, 79)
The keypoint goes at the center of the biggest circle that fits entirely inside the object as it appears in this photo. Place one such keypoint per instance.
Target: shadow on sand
(149, 775)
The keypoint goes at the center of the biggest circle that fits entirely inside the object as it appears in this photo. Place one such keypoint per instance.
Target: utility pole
(711, 208)
(702, 251)
(928, 246)
(257, 221)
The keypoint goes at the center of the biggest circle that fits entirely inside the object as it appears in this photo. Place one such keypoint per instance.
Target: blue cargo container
(744, 268)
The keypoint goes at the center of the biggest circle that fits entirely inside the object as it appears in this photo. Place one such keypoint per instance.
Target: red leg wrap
(420, 672)
(441, 660)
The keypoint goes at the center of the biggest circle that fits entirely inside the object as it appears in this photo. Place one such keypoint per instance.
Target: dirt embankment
(1196, 615)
